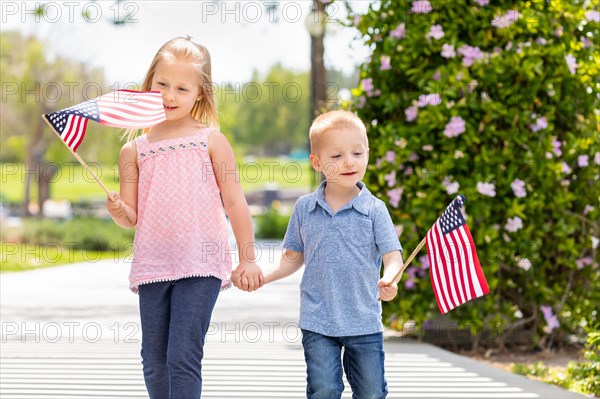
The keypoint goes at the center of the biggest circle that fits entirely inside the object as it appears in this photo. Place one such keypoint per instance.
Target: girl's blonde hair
(183, 49)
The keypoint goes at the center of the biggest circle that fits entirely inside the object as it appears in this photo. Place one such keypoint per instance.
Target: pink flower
(437, 75)
(395, 195)
(436, 31)
(558, 32)
(357, 19)
(518, 187)
(514, 224)
(506, 20)
(588, 208)
(592, 16)
(585, 41)
(551, 319)
(367, 84)
(482, 2)
(524, 264)
(390, 156)
(429, 99)
(582, 161)
(385, 63)
(421, 7)
(424, 259)
(583, 262)
(360, 102)
(411, 113)
(399, 32)
(571, 63)
(470, 54)
(448, 51)
(540, 124)
(455, 127)
(451, 187)
(597, 158)
(390, 178)
(566, 168)
(487, 189)
(556, 145)
(409, 284)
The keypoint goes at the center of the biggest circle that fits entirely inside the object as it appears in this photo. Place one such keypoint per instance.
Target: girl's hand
(247, 277)
(387, 290)
(116, 204)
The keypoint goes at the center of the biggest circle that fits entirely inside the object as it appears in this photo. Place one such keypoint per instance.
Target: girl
(176, 183)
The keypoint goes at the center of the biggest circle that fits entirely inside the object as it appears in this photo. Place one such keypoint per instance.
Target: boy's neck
(337, 196)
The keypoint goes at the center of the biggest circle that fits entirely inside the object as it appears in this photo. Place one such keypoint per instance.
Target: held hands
(388, 289)
(247, 277)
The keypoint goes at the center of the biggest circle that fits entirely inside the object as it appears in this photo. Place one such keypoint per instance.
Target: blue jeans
(175, 316)
(362, 362)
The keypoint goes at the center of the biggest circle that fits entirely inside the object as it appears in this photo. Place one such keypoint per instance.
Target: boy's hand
(387, 290)
(247, 277)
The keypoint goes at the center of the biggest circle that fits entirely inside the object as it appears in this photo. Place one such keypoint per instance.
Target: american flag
(456, 275)
(122, 108)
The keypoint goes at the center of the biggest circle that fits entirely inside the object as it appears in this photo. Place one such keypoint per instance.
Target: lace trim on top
(162, 148)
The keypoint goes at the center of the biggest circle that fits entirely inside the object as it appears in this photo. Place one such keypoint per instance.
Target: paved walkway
(73, 332)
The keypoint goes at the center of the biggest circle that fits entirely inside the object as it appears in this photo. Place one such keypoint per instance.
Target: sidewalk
(73, 331)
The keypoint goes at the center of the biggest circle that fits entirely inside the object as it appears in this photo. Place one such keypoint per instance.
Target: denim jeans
(175, 316)
(362, 362)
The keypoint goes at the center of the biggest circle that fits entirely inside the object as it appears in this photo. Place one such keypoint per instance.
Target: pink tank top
(182, 229)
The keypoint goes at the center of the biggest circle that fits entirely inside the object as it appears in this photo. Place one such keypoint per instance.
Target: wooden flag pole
(410, 258)
(81, 161)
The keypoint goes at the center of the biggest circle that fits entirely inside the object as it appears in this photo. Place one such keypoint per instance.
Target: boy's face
(342, 155)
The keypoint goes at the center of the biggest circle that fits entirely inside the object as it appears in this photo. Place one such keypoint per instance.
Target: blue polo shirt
(342, 255)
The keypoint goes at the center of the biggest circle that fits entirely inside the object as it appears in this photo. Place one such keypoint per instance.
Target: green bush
(585, 376)
(582, 377)
(80, 233)
(495, 101)
(272, 224)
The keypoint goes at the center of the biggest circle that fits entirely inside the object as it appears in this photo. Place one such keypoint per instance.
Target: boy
(342, 233)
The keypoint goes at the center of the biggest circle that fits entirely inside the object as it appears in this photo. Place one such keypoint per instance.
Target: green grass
(580, 377)
(21, 257)
(73, 183)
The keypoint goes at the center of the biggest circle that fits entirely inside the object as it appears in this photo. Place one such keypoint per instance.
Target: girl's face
(179, 85)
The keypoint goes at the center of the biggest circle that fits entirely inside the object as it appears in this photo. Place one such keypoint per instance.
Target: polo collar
(360, 202)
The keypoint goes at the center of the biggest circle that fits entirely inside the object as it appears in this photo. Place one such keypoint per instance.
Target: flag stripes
(455, 272)
(122, 108)
(129, 109)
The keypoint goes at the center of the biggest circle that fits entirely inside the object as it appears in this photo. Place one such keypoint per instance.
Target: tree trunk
(47, 172)
(35, 153)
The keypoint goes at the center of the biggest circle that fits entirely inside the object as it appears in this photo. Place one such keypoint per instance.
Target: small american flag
(456, 275)
(122, 108)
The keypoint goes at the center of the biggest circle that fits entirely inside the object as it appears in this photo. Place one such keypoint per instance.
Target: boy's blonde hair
(334, 120)
(184, 50)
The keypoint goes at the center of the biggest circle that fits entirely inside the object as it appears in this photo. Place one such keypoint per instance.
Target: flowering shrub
(496, 102)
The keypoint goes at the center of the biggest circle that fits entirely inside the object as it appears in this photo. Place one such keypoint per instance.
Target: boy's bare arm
(291, 262)
(392, 263)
